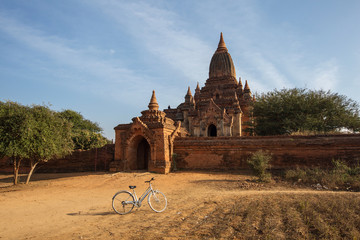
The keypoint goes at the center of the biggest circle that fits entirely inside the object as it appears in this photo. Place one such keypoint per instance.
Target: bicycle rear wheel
(157, 201)
(123, 202)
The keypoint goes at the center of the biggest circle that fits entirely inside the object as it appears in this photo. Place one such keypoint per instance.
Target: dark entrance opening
(143, 154)
(212, 131)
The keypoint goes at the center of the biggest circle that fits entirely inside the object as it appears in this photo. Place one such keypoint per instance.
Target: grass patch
(340, 177)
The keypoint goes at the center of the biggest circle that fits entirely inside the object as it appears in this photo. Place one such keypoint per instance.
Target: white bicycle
(124, 201)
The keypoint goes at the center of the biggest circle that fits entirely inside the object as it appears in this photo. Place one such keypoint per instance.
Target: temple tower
(217, 108)
(147, 142)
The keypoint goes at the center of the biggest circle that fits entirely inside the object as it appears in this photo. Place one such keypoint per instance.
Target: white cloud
(161, 33)
(326, 76)
(91, 72)
(268, 70)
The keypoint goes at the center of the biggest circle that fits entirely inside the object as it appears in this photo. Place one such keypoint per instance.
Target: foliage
(259, 163)
(340, 176)
(15, 139)
(35, 133)
(14, 123)
(85, 139)
(79, 122)
(85, 134)
(50, 136)
(295, 110)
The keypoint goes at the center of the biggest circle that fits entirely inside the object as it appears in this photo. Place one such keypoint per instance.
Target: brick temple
(206, 131)
(221, 108)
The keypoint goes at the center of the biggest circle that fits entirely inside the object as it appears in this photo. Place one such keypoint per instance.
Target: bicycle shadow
(106, 213)
(91, 214)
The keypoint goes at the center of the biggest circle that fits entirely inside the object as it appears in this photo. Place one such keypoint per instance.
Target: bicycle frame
(157, 200)
(143, 196)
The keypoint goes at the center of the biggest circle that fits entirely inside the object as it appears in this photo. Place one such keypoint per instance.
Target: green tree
(79, 122)
(50, 136)
(85, 134)
(34, 133)
(14, 135)
(301, 110)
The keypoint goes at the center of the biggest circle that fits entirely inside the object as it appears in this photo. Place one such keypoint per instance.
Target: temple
(220, 108)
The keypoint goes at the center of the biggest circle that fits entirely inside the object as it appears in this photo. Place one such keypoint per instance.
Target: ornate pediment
(138, 127)
(212, 109)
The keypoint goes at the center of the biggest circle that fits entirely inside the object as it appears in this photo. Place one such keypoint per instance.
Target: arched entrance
(138, 153)
(212, 132)
(143, 154)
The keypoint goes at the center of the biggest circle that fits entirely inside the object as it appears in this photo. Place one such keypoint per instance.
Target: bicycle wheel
(123, 202)
(157, 201)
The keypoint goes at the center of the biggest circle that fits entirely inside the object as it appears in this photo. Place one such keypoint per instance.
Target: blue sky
(103, 58)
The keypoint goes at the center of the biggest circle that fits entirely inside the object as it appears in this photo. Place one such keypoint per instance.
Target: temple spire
(153, 105)
(240, 83)
(189, 92)
(222, 45)
(246, 88)
(197, 88)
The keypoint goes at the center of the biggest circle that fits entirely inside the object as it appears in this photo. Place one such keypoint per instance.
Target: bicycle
(124, 201)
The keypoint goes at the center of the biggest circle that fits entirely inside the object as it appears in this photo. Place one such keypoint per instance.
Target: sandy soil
(78, 205)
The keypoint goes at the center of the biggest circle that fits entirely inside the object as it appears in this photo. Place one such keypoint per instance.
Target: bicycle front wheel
(157, 201)
(123, 202)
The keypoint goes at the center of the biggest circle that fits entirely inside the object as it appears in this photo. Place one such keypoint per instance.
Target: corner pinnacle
(153, 105)
(188, 92)
(246, 86)
(197, 87)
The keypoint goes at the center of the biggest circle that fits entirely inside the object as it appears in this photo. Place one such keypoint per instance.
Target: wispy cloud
(97, 75)
(161, 34)
(268, 71)
(326, 76)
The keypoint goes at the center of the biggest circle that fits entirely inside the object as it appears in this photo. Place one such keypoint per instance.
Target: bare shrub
(341, 176)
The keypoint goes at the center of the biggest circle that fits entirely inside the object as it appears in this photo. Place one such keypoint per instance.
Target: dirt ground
(78, 205)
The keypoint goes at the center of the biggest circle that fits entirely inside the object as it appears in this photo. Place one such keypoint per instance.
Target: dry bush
(341, 176)
(259, 163)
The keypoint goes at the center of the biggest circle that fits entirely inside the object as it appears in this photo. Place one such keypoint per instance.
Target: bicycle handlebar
(150, 180)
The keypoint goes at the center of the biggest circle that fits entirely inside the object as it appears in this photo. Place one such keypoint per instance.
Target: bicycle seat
(132, 187)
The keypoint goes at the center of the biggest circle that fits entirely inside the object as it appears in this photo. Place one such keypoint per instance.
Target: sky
(103, 58)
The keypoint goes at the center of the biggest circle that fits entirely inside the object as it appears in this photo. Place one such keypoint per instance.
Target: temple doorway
(212, 132)
(143, 154)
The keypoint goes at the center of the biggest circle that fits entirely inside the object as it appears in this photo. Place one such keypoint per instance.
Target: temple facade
(220, 108)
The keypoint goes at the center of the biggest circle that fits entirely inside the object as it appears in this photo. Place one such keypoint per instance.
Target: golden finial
(153, 105)
(222, 45)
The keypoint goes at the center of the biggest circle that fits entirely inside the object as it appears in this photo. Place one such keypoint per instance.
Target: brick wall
(222, 153)
(287, 151)
(97, 159)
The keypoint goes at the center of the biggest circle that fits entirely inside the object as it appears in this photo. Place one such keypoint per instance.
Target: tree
(50, 136)
(85, 134)
(35, 133)
(79, 122)
(14, 135)
(301, 110)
